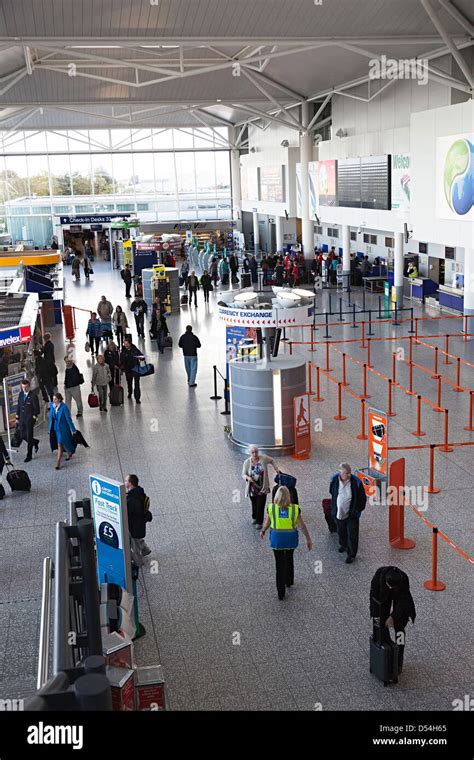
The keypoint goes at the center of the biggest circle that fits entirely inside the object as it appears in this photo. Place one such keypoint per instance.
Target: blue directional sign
(109, 512)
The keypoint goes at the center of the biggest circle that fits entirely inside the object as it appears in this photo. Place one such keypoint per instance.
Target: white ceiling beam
(238, 142)
(20, 123)
(265, 116)
(200, 42)
(14, 81)
(101, 59)
(270, 97)
(448, 41)
(458, 16)
(264, 64)
(319, 112)
(217, 137)
(220, 119)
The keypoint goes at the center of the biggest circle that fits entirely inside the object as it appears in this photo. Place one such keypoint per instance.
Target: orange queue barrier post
(434, 584)
(291, 347)
(446, 447)
(318, 396)
(446, 358)
(438, 408)
(68, 316)
(327, 367)
(344, 379)
(394, 368)
(435, 363)
(390, 412)
(339, 415)
(409, 392)
(310, 378)
(411, 347)
(469, 424)
(368, 352)
(418, 430)
(431, 488)
(362, 345)
(312, 349)
(458, 388)
(365, 394)
(362, 435)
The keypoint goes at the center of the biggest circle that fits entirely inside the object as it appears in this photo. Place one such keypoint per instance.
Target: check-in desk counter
(418, 288)
(451, 299)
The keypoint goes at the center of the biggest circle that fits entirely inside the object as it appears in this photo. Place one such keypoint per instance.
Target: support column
(279, 233)
(256, 233)
(346, 254)
(469, 288)
(306, 148)
(235, 180)
(398, 268)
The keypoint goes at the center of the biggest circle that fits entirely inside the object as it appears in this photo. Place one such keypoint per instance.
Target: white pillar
(256, 233)
(306, 149)
(398, 268)
(346, 255)
(279, 233)
(469, 288)
(235, 180)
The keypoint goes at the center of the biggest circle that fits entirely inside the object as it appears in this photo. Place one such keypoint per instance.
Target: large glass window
(16, 176)
(185, 172)
(143, 170)
(35, 142)
(120, 139)
(38, 171)
(81, 175)
(165, 177)
(57, 141)
(60, 175)
(102, 174)
(78, 139)
(163, 139)
(100, 138)
(124, 173)
(205, 172)
(142, 139)
(183, 138)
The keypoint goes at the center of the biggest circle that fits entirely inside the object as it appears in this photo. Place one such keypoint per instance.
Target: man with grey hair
(348, 502)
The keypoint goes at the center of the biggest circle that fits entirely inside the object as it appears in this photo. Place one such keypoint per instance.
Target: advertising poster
(236, 336)
(127, 252)
(455, 178)
(401, 187)
(11, 391)
(271, 184)
(327, 183)
(109, 512)
(378, 441)
(302, 426)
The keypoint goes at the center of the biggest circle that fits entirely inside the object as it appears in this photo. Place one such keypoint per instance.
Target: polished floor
(212, 614)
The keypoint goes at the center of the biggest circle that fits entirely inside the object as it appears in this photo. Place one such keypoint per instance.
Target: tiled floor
(212, 615)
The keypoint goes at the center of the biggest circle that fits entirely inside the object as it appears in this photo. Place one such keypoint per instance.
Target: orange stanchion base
(361, 437)
(434, 585)
(300, 456)
(340, 417)
(468, 427)
(403, 543)
(446, 449)
(418, 432)
(317, 398)
(391, 414)
(428, 489)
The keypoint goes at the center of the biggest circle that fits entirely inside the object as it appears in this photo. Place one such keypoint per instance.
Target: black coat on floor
(397, 602)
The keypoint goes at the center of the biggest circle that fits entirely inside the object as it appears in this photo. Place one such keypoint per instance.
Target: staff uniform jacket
(359, 497)
(61, 424)
(403, 604)
(27, 411)
(247, 471)
(101, 374)
(120, 320)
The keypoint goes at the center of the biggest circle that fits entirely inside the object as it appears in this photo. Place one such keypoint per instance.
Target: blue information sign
(109, 511)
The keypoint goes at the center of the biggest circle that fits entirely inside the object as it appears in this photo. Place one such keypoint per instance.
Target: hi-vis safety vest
(283, 526)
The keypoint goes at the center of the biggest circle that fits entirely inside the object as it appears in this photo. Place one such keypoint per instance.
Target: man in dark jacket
(234, 267)
(392, 605)
(193, 287)
(348, 501)
(127, 278)
(73, 379)
(27, 413)
(128, 361)
(190, 343)
(137, 503)
(47, 349)
(140, 310)
(253, 269)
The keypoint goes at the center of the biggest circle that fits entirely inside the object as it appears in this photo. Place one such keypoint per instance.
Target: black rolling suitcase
(116, 395)
(331, 523)
(383, 655)
(247, 280)
(18, 480)
(168, 341)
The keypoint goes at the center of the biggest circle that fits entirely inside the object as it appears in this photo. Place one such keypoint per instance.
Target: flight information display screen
(375, 182)
(349, 182)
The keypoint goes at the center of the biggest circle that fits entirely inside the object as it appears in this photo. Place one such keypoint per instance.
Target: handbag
(211, 287)
(87, 347)
(93, 400)
(81, 378)
(144, 368)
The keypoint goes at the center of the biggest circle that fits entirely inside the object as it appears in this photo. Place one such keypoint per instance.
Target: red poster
(378, 444)
(302, 425)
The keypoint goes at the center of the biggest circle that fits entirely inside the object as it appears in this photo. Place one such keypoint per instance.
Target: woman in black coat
(391, 604)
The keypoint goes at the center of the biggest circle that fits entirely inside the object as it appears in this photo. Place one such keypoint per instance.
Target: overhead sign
(92, 219)
(15, 335)
(378, 441)
(299, 315)
(109, 512)
(302, 426)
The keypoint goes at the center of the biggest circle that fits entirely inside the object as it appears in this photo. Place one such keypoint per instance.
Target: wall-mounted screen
(349, 182)
(375, 182)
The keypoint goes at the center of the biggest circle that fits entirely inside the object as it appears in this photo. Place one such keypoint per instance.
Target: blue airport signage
(92, 219)
(109, 512)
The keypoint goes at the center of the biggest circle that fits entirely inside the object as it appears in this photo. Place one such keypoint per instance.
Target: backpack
(146, 506)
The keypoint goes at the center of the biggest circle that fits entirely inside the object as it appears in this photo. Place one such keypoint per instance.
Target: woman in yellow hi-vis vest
(284, 518)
